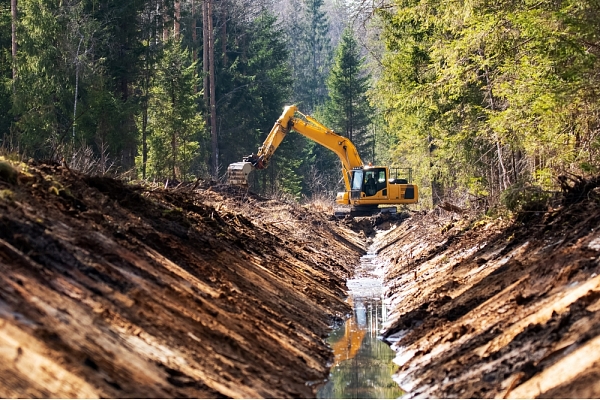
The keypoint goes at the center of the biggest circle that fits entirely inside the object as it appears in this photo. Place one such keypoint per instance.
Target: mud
(496, 308)
(113, 290)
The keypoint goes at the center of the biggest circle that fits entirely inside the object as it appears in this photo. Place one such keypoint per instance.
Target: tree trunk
(373, 143)
(76, 90)
(492, 179)
(177, 20)
(194, 41)
(224, 31)
(205, 53)
(13, 11)
(213, 106)
(174, 140)
(144, 138)
(437, 189)
(504, 181)
(514, 166)
(165, 13)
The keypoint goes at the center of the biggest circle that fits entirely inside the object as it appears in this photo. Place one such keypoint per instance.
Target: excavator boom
(237, 173)
(309, 127)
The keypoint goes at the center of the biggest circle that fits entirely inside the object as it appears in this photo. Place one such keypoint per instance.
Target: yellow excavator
(367, 186)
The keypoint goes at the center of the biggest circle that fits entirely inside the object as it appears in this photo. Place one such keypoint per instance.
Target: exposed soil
(114, 290)
(497, 308)
(111, 290)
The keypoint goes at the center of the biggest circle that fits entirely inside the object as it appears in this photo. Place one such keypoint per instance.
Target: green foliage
(251, 95)
(72, 60)
(44, 90)
(286, 166)
(525, 197)
(492, 92)
(5, 70)
(347, 110)
(321, 169)
(311, 55)
(97, 74)
(174, 122)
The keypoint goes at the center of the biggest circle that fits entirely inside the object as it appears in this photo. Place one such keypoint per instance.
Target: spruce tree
(347, 110)
(311, 62)
(252, 90)
(175, 125)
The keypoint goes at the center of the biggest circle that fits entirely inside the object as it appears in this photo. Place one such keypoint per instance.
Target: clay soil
(495, 307)
(112, 290)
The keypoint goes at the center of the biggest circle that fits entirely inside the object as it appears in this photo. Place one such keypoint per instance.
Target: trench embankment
(496, 307)
(114, 290)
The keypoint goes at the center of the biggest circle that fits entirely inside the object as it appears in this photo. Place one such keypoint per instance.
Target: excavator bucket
(237, 173)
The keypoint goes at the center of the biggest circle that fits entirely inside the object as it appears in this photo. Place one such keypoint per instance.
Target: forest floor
(114, 290)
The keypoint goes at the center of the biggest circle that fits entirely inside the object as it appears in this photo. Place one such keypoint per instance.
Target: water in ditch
(363, 364)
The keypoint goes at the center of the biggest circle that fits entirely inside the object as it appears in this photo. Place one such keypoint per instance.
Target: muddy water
(363, 364)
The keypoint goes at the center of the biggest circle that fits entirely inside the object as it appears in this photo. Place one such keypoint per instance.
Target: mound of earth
(497, 308)
(113, 290)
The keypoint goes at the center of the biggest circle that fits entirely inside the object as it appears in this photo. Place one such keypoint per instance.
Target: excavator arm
(309, 127)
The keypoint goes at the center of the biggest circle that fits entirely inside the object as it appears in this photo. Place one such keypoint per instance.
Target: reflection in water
(363, 364)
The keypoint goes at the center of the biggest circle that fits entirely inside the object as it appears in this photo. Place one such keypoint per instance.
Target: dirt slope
(497, 308)
(108, 290)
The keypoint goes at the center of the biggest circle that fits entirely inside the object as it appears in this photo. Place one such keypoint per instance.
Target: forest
(488, 102)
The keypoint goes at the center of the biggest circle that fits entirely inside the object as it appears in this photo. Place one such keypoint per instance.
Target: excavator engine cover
(237, 173)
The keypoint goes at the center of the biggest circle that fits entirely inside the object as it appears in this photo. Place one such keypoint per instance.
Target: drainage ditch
(363, 364)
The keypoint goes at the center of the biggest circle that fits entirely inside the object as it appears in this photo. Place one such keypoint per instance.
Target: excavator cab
(374, 186)
(368, 182)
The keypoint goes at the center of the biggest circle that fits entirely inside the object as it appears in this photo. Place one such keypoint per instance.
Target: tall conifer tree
(311, 63)
(174, 121)
(347, 109)
(6, 69)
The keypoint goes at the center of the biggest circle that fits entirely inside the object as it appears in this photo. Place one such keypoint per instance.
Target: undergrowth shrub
(524, 196)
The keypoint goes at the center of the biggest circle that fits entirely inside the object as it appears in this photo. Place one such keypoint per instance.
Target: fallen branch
(451, 208)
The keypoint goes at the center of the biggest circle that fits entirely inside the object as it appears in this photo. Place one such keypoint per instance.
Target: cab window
(357, 180)
(371, 181)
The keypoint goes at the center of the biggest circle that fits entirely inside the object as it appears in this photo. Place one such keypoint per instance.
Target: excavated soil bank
(497, 308)
(112, 290)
